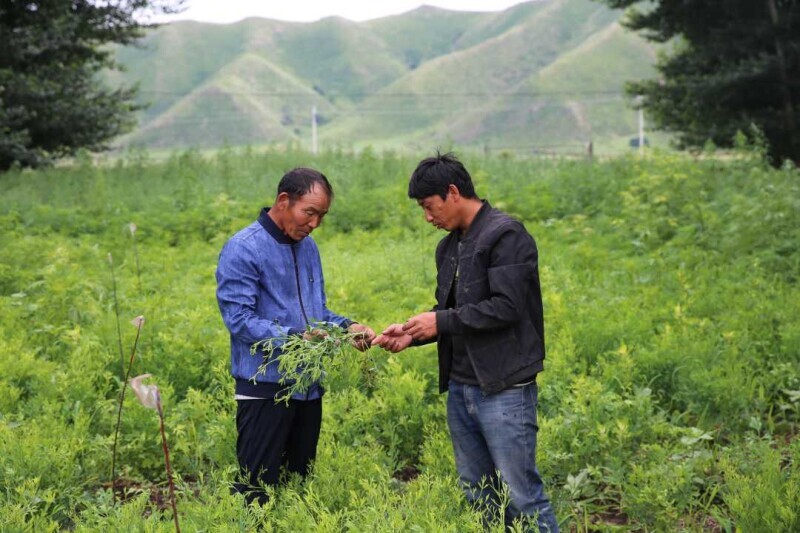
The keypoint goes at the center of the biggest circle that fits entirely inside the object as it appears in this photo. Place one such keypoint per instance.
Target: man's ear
(282, 201)
(453, 191)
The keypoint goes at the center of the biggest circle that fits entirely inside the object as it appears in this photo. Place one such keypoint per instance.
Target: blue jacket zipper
(297, 280)
(299, 294)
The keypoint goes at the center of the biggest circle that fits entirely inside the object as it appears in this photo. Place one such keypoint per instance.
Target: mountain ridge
(423, 77)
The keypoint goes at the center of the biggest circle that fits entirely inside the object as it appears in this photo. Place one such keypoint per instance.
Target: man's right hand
(393, 339)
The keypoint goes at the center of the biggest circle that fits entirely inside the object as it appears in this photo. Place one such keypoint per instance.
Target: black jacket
(498, 301)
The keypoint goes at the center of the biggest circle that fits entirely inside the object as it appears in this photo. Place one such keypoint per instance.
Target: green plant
(132, 228)
(150, 397)
(307, 359)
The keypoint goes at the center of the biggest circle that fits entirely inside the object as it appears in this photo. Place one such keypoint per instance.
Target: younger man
(489, 329)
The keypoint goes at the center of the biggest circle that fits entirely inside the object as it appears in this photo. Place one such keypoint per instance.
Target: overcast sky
(224, 11)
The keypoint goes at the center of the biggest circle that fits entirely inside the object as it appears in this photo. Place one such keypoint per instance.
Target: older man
(269, 285)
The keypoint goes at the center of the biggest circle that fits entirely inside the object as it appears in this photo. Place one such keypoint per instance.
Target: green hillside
(339, 57)
(435, 32)
(540, 75)
(210, 114)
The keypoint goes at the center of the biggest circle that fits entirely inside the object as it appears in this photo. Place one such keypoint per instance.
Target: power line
(301, 112)
(483, 94)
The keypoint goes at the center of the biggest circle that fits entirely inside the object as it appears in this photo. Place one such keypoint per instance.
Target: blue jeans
(494, 439)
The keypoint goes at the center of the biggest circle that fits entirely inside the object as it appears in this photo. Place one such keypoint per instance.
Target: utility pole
(639, 100)
(314, 130)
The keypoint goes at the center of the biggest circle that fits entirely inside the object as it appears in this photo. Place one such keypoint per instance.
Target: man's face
(299, 218)
(441, 213)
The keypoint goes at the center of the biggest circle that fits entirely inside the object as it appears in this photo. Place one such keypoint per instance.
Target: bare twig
(138, 322)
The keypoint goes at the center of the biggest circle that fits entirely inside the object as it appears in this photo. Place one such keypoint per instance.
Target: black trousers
(274, 439)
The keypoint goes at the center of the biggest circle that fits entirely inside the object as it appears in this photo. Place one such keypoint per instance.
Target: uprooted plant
(306, 359)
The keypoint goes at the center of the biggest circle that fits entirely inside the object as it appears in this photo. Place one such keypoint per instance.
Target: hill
(545, 74)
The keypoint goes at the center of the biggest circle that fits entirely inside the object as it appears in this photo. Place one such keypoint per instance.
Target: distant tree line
(51, 55)
(731, 66)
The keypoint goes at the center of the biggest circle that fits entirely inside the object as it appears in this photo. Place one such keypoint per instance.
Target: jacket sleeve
(512, 269)
(237, 294)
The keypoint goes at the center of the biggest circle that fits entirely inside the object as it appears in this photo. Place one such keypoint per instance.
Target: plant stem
(116, 314)
(119, 416)
(136, 255)
(169, 470)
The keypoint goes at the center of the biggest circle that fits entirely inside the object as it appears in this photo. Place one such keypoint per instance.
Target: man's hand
(393, 339)
(364, 337)
(315, 334)
(422, 327)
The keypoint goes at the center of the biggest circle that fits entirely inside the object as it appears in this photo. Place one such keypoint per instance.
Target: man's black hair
(299, 181)
(434, 175)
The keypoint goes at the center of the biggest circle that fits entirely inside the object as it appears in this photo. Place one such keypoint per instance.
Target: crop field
(670, 399)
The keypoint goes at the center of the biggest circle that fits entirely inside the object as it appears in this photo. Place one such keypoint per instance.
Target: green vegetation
(725, 71)
(546, 73)
(312, 357)
(670, 400)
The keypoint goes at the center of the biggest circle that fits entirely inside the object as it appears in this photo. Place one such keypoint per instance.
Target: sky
(226, 11)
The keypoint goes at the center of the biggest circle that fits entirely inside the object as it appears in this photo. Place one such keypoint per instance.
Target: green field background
(670, 399)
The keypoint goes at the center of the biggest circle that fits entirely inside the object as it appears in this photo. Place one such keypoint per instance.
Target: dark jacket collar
(477, 222)
(275, 232)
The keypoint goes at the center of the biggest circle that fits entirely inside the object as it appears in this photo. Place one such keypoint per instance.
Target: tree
(730, 65)
(52, 53)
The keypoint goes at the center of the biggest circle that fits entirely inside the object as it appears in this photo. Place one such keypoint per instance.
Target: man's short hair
(434, 175)
(299, 181)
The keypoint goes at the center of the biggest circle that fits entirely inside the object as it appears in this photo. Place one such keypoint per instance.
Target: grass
(672, 374)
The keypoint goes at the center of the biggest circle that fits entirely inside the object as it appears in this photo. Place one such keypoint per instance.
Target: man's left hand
(422, 327)
(364, 338)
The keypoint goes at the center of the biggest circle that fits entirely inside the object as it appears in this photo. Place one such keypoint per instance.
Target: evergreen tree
(730, 65)
(51, 55)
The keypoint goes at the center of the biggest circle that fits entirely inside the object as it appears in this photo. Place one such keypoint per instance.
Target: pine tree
(52, 53)
(730, 65)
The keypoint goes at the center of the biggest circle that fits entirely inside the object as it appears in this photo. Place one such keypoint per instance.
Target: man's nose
(314, 222)
(428, 218)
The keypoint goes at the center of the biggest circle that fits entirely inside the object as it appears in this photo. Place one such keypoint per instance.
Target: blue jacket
(269, 286)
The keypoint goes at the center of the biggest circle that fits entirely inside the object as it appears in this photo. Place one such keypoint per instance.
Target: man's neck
(272, 213)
